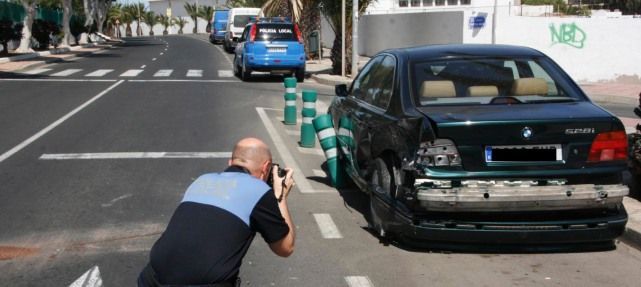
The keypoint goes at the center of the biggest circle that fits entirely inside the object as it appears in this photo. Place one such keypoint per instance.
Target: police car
(272, 45)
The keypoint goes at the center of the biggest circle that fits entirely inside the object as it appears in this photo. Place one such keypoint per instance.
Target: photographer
(214, 225)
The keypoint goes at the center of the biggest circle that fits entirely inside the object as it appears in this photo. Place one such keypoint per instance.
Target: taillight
(440, 152)
(609, 146)
(252, 33)
(298, 34)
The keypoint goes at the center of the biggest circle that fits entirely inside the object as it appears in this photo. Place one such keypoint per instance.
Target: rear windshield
(478, 81)
(240, 21)
(275, 32)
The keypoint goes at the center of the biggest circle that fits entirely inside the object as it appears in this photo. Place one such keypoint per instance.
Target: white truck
(236, 22)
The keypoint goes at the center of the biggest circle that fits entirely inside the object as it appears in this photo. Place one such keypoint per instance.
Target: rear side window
(276, 32)
(241, 20)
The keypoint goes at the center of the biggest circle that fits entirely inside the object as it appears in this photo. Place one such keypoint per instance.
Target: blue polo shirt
(213, 227)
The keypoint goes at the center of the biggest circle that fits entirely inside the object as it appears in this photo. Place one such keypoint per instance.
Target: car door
(240, 46)
(360, 114)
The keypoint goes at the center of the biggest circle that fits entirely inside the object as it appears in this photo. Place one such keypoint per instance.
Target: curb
(44, 53)
(330, 80)
(632, 232)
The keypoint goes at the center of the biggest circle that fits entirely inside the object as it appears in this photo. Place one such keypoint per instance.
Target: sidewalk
(19, 62)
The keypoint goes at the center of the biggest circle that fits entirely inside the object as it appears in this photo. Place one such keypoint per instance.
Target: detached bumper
(493, 196)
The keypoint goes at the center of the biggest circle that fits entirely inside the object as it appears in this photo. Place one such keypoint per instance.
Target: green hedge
(15, 12)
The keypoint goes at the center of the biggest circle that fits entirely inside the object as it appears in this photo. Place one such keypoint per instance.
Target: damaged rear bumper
(490, 196)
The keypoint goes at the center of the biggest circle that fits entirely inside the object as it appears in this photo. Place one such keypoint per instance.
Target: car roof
(463, 50)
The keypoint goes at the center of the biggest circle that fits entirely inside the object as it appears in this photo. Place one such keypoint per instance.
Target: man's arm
(285, 246)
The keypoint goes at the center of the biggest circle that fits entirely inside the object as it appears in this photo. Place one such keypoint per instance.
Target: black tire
(383, 177)
(245, 73)
(236, 68)
(300, 75)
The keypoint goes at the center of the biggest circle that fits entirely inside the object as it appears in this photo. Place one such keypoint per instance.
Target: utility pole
(494, 23)
(354, 38)
(343, 39)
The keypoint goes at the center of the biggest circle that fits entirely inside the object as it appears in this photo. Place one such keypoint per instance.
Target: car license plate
(277, 50)
(521, 153)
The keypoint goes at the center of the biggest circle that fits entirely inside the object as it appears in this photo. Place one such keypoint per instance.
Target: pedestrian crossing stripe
(67, 72)
(225, 73)
(163, 73)
(37, 71)
(194, 73)
(131, 73)
(99, 73)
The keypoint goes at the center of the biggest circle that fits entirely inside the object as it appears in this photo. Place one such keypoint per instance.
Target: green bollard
(346, 140)
(290, 101)
(327, 138)
(307, 134)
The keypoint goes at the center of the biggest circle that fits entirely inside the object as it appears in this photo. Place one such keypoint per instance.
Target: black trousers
(148, 278)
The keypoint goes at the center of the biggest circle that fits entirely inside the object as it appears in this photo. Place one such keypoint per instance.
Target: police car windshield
(275, 32)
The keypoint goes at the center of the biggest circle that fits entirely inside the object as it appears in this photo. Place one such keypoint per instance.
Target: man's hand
(283, 185)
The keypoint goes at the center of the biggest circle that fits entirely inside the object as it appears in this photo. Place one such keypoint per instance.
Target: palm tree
(138, 11)
(207, 13)
(181, 22)
(127, 18)
(192, 11)
(166, 22)
(114, 16)
(304, 12)
(332, 10)
(150, 19)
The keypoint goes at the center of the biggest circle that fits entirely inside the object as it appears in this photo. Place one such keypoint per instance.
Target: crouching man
(214, 225)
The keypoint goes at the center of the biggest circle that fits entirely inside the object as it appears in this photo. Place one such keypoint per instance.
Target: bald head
(251, 153)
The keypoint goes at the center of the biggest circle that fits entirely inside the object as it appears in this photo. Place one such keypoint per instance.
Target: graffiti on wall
(568, 34)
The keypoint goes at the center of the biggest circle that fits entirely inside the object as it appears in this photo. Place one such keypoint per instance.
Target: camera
(281, 173)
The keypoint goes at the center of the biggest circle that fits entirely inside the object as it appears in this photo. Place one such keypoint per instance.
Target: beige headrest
(437, 89)
(529, 86)
(482, 91)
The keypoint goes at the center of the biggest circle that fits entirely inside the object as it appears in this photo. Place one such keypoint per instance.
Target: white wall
(603, 50)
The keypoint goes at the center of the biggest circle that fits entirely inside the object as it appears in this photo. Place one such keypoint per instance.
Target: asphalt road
(92, 167)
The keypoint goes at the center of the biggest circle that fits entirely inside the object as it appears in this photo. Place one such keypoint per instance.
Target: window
(416, 3)
(428, 3)
(452, 2)
(380, 92)
(359, 87)
(440, 2)
(402, 3)
(466, 2)
(273, 32)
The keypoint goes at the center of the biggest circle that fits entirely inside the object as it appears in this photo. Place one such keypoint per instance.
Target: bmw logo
(526, 133)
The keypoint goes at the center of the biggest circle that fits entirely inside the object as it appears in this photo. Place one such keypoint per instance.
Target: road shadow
(15, 75)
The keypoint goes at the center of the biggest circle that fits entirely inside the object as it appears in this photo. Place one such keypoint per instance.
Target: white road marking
(292, 132)
(154, 59)
(39, 134)
(186, 80)
(161, 53)
(99, 73)
(67, 72)
(134, 155)
(55, 80)
(358, 281)
(312, 151)
(163, 73)
(225, 73)
(91, 278)
(143, 66)
(36, 71)
(119, 198)
(195, 73)
(286, 156)
(131, 73)
(327, 227)
(319, 172)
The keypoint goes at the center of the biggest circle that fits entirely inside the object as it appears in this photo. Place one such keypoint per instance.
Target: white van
(236, 22)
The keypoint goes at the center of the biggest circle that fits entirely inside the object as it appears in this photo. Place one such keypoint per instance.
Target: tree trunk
(25, 42)
(66, 17)
(195, 30)
(310, 21)
(128, 30)
(336, 53)
(89, 8)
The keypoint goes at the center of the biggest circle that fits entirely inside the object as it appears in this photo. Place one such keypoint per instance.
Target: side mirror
(341, 90)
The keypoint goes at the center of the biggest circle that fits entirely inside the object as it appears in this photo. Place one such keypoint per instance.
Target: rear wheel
(245, 72)
(383, 182)
(300, 75)
(236, 68)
